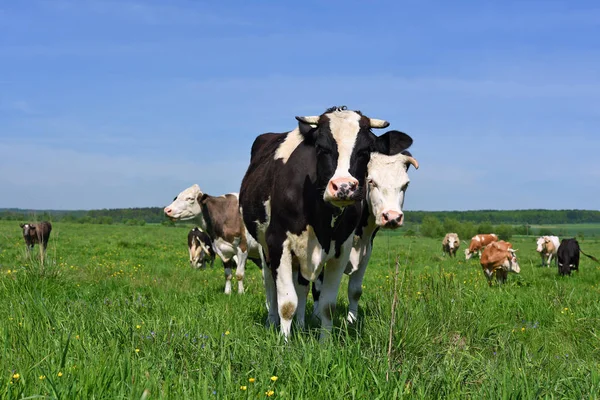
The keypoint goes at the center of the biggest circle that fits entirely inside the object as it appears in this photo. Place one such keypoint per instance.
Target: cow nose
(392, 218)
(168, 211)
(342, 188)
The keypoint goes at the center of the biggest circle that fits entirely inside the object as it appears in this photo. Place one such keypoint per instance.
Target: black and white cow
(220, 218)
(301, 199)
(387, 181)
(568, 256)
(200, 249)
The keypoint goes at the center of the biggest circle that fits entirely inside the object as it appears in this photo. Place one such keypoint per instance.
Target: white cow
(450, 244)
(387, 181)
(547, 246)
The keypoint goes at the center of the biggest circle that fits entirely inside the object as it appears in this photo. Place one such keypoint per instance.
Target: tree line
(467, 221)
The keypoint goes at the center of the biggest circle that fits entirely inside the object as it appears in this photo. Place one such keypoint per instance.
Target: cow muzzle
(392, 219)
(342, 191)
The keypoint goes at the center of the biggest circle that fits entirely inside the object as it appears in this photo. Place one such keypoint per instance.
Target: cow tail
(588, 256)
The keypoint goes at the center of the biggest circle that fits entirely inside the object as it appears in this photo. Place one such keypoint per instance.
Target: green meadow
(115, 312)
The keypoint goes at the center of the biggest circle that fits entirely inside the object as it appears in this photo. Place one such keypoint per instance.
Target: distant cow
(200, 248)
(37, 233)
(220, 218)
(478, 243)
(450, 244)
(568, 256)
(499, 258)
(547, 246)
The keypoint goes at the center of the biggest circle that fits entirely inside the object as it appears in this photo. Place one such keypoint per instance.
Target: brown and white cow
(450, 244)
(200, 249)
(36, 233)
(478, 243)
(220, 218)
(547, 246)
(499, 258)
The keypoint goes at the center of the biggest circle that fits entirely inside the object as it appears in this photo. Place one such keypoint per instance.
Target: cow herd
(310, 205)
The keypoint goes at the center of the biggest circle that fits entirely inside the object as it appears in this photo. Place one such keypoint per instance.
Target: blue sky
(108, 103)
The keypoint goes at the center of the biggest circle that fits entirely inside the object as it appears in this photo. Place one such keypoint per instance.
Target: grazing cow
(499, 258)
(568, 256)
(450, 244)
(478, 243)
(547, 246)
(387, 181)
(220, 218)
(301, 199)
(37, 233)
(200, 248)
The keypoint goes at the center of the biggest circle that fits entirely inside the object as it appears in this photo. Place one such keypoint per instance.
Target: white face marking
(387, 180)
(540, 243)
(344, 128)
(186, 206)
(285, 150)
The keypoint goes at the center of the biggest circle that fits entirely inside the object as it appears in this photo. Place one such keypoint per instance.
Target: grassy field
(116, 313)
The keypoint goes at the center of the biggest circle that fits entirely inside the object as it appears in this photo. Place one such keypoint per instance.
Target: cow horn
(413, 161)
(378, 123)
(311, 120)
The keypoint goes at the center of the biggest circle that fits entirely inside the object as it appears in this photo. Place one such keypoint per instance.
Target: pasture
(116, 312)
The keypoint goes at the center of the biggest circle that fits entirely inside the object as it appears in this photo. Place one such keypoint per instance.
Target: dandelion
(60, 374)
(251, 380)
(269, 393)
(138, 326)
(523, 329)
(42, 377)
(226, 332)
(418, 293)
(16, 376)
(137, 350)
(243, 387)
(274, 378)
(77, 337)
(566, 309)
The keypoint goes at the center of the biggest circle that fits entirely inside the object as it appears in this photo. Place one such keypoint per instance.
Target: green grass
(116, 311)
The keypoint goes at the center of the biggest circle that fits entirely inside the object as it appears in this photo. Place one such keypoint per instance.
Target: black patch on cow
(568, 254)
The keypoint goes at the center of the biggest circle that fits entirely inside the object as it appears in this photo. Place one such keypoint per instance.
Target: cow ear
(308, 126)
(392, 143)
(22, 225)
(202, 198)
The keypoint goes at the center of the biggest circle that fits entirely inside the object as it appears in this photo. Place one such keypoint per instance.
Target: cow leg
(549, 260)
(301, 286)
(240, 271)
(317, 285)
(355, 288)
(281, 267)
(334, 270)
(228, 267)
(271, 291)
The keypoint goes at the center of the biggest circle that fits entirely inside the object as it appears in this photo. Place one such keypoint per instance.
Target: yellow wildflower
(137, 350)
(60, 374)
(269, 393)
(566, 309)
(138, 326)
(243, 387)
(16, 376)
(251, 380)
(42, 377)
(274, 378)
(227, 332)
(523, 329)
(77, 337)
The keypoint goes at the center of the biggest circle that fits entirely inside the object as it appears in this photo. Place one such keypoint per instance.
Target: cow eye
(371, 182)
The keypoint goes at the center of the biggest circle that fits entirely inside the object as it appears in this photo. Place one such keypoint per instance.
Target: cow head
(186, 205)
(387, 181)
(453, 241)
(344, 142)
(513, 264)
(542, 243)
